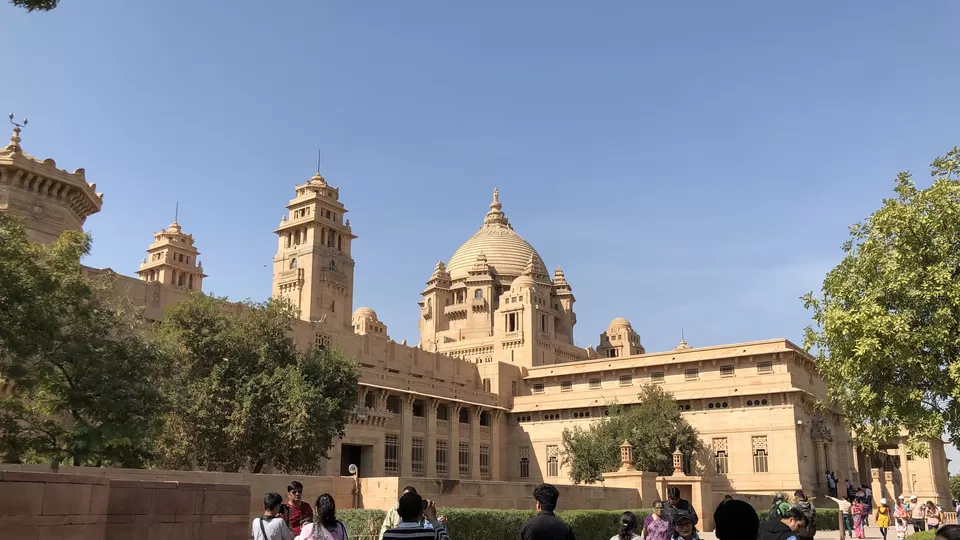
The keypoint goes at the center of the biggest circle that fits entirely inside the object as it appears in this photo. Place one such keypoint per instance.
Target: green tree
(887, 322)
(955, 487)
(36, 5)
(243, 396)
(77, 382)
(654, 426)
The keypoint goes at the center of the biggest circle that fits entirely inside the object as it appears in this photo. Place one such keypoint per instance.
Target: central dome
(506, 252)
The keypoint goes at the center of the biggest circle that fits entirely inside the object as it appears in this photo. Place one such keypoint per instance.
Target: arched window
(333, 266)
(478, 293)
(524, 468)
(180, 280)
(442, 412)
(369, 400)
(485, 418)
(293, 263)
(190, 282)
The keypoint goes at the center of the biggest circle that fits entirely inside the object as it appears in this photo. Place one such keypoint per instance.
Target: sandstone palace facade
(496, 376)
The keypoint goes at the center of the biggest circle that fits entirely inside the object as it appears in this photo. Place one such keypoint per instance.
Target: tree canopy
(886, 326)
(36, 5)
(77, 381)
(654, 426)
(243, 396)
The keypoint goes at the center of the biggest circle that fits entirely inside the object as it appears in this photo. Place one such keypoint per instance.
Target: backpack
(775, 514)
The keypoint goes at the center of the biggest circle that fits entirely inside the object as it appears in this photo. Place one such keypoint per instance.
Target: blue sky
(690, 165)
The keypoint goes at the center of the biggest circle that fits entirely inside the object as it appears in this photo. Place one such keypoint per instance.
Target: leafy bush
(828, 519)
(489, 524)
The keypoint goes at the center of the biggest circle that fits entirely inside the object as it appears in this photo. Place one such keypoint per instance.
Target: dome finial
(496, 216)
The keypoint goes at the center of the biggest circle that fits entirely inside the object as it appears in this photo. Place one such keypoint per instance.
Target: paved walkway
(873, 533)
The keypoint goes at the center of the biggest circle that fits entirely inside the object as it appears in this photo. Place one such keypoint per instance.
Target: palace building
(496, 376)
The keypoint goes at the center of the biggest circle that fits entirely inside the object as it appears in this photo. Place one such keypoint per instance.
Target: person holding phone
(392, 519)
(415, 512)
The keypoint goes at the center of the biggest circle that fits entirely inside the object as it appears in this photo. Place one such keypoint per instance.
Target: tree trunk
(259, 466)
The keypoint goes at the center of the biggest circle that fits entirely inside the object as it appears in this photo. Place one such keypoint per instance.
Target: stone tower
(49, 200)
(173, 259)
(313, 267)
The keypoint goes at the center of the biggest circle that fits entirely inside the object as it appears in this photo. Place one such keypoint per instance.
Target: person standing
(414, 512)
(858, 509)
(684, 527)
(801, 503)
(655, 526)
(271, 525)
(843, 507)
(883, 517)
(831, 484)
(325, 526)
(784, 529)
(735, 520)
(628, 527)
(918, 513)
(298, 512)
(546, 525)
(933, 516)
(675, 504)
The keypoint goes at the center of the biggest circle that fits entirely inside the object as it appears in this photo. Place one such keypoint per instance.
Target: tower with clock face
(313, 267)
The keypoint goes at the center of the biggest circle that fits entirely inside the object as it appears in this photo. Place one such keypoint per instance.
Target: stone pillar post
(496, 452)
(453, 453)
(431, 442)
(406, 436)
(891, 490)
(475, 442)
(905, 472)
(877, 486)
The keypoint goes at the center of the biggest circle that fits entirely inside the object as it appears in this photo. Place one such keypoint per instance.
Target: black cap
(681, 516)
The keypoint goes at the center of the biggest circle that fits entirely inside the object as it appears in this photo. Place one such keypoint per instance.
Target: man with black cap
(676, 504)
(684, 526)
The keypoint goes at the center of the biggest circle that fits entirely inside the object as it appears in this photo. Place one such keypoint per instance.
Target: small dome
(365, 313)
(620, 321)
(522, 282)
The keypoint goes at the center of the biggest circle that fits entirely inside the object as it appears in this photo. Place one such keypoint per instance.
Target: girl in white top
(628, 527)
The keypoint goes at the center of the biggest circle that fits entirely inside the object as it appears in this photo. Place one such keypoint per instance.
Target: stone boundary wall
(382, 493)
(36, 506)
(313, 486)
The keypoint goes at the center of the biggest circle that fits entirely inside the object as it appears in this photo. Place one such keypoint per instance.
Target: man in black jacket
(545, 525)
(676, 504)
(784, 529)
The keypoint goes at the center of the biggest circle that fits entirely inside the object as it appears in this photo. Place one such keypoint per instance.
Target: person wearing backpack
(271, 525)
(806, 507)
(779, 508)
(325, 526)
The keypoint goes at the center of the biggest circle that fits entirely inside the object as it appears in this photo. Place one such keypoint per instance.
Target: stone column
(475, 442)
(876, 484)
(906, 478)
(891, 490)
(453, 450)
(496, 452)
(431, 442)
(406, 437)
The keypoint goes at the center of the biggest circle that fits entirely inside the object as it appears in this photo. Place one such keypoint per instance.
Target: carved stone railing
(443, 426)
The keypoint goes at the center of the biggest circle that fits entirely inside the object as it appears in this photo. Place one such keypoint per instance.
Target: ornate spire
(559, 279)
(683, 343)
(496, 216)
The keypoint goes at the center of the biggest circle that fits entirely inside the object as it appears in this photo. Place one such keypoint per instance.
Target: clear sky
(690, 165)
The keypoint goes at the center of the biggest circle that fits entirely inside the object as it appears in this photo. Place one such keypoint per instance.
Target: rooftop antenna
(319, 161)
(176, 213)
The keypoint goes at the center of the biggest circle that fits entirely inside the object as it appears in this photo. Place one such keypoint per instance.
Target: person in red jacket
(298, 512)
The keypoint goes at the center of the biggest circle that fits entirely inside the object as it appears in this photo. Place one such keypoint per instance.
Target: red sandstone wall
(36, 506)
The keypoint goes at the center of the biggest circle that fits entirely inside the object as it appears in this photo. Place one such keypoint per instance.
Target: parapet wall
(36, 506)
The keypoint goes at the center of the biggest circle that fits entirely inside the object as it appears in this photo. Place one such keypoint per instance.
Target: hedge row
(486, 524)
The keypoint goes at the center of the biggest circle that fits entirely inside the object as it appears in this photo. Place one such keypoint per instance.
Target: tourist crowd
(415, 518)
